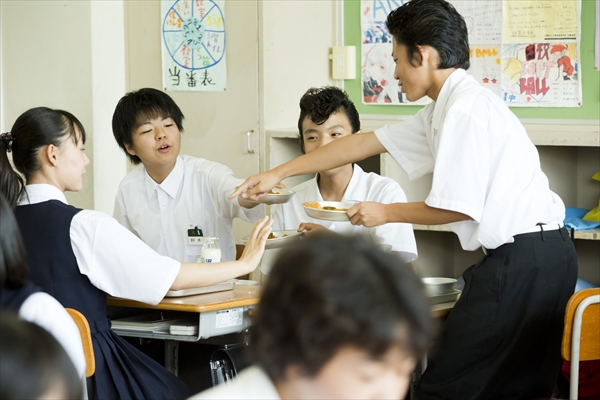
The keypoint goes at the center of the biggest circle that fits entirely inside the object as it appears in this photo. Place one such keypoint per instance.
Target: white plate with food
(328, 210)
(274, 196)
(279, 239)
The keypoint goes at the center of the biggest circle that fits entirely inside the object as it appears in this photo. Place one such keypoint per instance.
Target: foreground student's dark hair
(13, 265)
(33, 363)
(434, 23)
(327, 292)
(139, 106)
(318, 104)
(34, 129)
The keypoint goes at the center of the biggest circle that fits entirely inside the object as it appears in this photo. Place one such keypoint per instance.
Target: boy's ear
(130, 149)
(358, 131)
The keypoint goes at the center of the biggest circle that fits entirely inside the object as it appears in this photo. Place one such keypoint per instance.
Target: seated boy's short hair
(327, 292)
(434, 23)
(142, 104)
(318, 104)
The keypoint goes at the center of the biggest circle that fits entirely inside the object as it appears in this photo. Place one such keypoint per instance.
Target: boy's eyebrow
(147, 122)
(306, 132)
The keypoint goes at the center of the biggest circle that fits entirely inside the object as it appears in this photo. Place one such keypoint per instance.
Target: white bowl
(329, 215)
(436, 286)
(279, 196)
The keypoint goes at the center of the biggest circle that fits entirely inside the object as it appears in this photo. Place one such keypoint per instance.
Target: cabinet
(569, 155)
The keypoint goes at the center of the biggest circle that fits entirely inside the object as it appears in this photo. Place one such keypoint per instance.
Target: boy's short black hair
(142, 104)
(328, 292)
(434, 23)
(318, 104)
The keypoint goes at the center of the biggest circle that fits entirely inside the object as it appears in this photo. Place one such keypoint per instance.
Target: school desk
(205, 306)
(218, 314)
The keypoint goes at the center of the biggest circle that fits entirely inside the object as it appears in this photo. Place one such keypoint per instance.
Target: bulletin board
(584, 55)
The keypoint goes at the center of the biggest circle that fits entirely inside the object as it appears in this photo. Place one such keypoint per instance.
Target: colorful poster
(193, 45)
(377, 67)
(541, 74)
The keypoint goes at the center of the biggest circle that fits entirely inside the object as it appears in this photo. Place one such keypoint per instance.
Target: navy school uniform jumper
(122, 371)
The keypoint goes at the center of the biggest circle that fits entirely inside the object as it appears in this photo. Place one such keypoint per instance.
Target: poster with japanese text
(193, 45)
(525, 51)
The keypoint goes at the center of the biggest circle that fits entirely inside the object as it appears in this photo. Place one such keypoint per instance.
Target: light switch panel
(343, 65)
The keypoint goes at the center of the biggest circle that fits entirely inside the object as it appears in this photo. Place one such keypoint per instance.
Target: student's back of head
(33, 365)
(329, 293)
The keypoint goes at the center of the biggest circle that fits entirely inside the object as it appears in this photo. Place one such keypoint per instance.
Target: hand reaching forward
(257, 186)
(309, 229)
(368, 214)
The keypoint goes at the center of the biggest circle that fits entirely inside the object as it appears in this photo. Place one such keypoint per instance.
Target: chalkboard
(589, 74)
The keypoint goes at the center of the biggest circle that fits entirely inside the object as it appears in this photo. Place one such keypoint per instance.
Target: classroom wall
(71, 55)
(68, 55)
(36, 71)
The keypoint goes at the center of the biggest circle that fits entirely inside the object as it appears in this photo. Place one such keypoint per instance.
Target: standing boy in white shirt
(173, 197)
(502, 339)
(327, 114)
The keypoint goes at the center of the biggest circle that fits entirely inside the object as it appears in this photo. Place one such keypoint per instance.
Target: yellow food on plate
(272, 192)
(315, 204)
(271, 236)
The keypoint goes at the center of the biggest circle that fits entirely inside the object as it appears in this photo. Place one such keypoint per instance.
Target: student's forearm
(197, 275)
(421, 213)
(340, 152)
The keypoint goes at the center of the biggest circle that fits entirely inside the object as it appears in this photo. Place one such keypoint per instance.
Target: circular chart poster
(193, 45)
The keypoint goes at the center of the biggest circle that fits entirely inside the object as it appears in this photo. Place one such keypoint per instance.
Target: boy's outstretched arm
(349, 149)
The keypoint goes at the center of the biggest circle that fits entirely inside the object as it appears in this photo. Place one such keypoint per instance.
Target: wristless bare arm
(421, 213)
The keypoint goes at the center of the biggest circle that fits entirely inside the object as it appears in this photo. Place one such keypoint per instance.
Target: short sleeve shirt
(102, 248)
(483, 163)
(362, 187)
(194, 195)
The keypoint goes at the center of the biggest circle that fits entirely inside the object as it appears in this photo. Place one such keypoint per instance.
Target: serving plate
(436, 286)
(329, 215)
(278, 196)
(280, 240)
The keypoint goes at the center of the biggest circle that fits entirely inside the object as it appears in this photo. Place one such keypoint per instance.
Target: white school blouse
(362, 187)
(113, 259)
(193, 195)
(44, 310)
(483, 163)
(251, 383)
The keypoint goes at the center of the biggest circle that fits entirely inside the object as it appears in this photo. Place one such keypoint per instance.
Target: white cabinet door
(216, 123)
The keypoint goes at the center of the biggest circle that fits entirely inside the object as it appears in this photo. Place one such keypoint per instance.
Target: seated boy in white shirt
(172, 197)
(327, 114)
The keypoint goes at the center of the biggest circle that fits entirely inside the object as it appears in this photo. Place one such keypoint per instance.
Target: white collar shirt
(252, 383)
(113, 259)
(362, 187)
(193, 195)
(483, 163)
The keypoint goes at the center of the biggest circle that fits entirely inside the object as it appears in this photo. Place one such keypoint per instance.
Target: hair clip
(7, 138)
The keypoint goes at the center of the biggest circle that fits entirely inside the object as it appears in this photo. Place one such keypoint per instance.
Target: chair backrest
(86, 340)
(590, 327)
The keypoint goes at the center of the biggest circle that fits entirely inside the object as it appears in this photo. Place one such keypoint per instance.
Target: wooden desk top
(241, 295)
